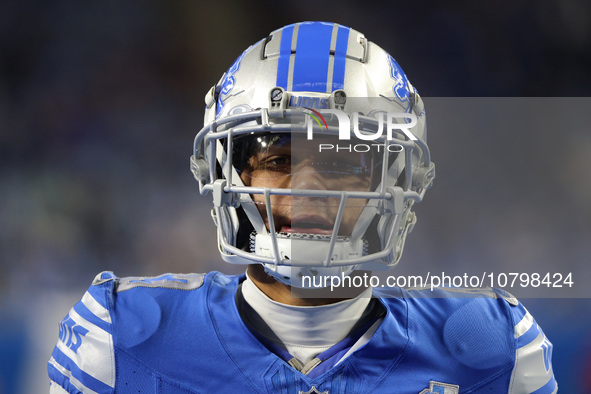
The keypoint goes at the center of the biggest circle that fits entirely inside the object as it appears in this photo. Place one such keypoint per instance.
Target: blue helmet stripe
(340, 57)
(284, 56)
(312, 57)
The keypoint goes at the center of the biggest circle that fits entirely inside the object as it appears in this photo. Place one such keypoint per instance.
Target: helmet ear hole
(218, 171)
(372, 235)
(401, 178)
(244, 230)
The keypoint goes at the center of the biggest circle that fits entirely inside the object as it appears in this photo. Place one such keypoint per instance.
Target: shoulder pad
(167, 281)
(462, 292)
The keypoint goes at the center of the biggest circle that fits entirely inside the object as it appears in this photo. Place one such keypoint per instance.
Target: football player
(314, 151)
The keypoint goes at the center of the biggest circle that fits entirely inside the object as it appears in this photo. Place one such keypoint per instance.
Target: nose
(306, 176)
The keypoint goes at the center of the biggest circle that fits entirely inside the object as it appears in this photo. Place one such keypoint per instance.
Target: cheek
(279, 204)
(263, 179)
(350, 216)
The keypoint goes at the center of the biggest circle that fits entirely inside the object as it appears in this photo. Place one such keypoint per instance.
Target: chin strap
(306, 277)
(307, 252)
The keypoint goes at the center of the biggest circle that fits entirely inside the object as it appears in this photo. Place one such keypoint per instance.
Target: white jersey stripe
(75, 382)
(530, 372)
(524, 325)
(96, 308)
(94, 354)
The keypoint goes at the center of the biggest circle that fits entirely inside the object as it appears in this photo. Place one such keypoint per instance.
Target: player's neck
(283, 293)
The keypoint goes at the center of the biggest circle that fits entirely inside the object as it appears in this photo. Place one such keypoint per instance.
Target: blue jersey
(184, 334)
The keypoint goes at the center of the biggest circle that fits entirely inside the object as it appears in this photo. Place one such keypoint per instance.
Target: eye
(276, 163)
(280, 160)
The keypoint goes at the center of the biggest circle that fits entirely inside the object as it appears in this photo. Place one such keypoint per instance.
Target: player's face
(279, 162)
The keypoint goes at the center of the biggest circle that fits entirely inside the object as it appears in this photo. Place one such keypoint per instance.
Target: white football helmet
(306, 80)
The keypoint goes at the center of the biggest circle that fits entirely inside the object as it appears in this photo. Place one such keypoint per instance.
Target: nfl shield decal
(441, 388)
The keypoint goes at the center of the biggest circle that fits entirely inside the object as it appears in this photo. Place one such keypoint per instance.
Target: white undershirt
(305, 331)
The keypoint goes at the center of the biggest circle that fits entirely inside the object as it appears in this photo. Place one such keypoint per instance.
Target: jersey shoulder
(483, 330)
(84, 356)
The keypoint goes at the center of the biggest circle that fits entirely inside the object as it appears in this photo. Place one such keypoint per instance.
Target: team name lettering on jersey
(71, 333)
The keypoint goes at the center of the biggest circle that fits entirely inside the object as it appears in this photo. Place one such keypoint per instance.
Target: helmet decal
(228, 82)
(401, 89)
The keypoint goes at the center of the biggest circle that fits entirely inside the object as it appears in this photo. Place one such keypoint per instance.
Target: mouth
(309, 225)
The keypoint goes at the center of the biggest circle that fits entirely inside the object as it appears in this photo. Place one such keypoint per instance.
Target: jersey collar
(370, 363)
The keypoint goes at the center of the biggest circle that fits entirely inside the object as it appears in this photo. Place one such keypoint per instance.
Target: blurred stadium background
(100, 101)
